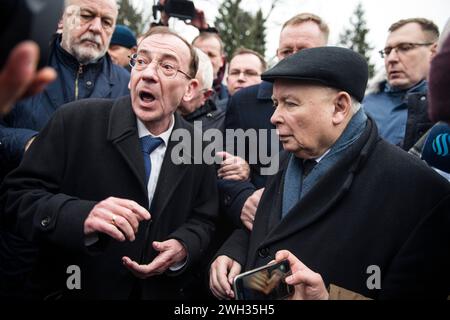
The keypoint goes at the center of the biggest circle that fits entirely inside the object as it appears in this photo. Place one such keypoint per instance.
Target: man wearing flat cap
(360, 212)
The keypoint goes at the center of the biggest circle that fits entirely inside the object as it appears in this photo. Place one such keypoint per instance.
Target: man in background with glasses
(100, 188)
(399, 106)
(245, 69)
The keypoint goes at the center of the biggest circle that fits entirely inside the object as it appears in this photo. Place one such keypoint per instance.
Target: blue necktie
(148, 145)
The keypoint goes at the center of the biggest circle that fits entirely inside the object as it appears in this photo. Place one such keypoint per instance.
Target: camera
(35, 20)
(264, 283)
(181, 9)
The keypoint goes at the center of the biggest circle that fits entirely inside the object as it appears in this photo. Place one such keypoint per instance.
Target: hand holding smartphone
(264, 283)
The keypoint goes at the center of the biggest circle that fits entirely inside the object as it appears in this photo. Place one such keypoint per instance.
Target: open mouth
(146, 96)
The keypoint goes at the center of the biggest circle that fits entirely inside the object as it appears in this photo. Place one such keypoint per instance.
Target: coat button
(45, 222)
(227, 200)
(89, 84)
(263, 252)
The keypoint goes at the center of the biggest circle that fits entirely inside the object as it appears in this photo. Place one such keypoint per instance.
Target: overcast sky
(380, 14)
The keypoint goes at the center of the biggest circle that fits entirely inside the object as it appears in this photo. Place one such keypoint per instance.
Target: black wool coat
(377, 207)
(88, 152)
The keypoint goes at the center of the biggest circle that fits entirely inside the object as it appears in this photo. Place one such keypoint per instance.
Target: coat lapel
(171, 174)
(324, 195)
(123, 133)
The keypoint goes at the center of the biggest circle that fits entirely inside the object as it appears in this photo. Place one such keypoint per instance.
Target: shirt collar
(143, 131)
(322, 156)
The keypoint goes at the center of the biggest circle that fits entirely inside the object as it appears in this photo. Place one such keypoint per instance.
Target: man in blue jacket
(399, 103)
(84, 71)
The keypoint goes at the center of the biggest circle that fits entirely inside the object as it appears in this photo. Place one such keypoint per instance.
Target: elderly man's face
(294, 38)
(155, 96)
(88, 28)
(244, 71)
(303, 117)
(406, 68)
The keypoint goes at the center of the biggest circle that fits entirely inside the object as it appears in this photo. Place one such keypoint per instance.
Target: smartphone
(264, 283)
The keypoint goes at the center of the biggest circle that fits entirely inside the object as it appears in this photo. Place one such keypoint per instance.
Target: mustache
(92, 37)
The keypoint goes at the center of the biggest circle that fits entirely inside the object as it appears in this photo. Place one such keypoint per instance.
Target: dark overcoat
(377, 212)
(88, 152)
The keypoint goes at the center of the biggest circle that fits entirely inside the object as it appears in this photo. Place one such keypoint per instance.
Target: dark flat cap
(335, 67)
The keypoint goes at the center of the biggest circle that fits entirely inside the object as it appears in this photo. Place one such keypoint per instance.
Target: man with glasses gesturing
(99, 188)
(399, 105)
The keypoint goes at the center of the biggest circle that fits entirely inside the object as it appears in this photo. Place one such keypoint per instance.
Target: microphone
(436, 151)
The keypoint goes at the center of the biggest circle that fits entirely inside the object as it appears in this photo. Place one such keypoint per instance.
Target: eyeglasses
(402, 48)
(167, 68)
(246, 73)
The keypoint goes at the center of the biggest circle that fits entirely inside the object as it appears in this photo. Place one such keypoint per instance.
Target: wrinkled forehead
(108, 7)
(166, 45)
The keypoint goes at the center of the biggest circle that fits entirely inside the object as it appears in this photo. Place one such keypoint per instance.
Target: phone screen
(265, 283)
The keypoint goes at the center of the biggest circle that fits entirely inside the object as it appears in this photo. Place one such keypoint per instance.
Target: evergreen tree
(239, 28)
(354, 37)
(130, 16)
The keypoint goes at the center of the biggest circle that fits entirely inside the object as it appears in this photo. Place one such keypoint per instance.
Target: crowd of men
(92, 176)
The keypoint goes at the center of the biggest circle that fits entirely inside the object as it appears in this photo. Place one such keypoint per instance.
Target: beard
(88, 49)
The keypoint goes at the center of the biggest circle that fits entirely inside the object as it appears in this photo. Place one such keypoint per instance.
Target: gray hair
(356, 105)
(205, 73)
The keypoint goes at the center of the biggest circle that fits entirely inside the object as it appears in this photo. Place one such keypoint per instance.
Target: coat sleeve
(236, 247)
(31, 202)
(233, 194)
(420, 270)
(13, 141)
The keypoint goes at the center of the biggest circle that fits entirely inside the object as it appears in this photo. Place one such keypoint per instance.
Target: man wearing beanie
(123, 45)
(360, 212)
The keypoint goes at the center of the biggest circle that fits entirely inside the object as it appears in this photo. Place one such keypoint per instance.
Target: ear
(279, 55)
(191, 90)
(434, 50)
(342, 107)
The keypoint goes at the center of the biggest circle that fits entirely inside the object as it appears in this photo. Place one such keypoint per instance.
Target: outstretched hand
(19, 77)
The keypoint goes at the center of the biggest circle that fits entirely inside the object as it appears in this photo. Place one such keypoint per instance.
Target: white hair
(356, 105)
(205, 73)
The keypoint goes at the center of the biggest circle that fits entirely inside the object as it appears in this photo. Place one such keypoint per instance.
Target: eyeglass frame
(135, 55)
(413, 45)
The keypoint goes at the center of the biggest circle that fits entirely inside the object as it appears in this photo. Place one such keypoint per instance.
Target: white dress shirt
(157, 156)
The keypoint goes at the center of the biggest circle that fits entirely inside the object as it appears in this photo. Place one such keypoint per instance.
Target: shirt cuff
(179, 265)
(91, 239)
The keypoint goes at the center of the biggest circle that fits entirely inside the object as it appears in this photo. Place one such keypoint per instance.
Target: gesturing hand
(170, 252)
(118, 218)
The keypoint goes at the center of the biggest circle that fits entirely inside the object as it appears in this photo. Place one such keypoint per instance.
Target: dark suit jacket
(378, 206)
(249, 108)
(88, 152)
